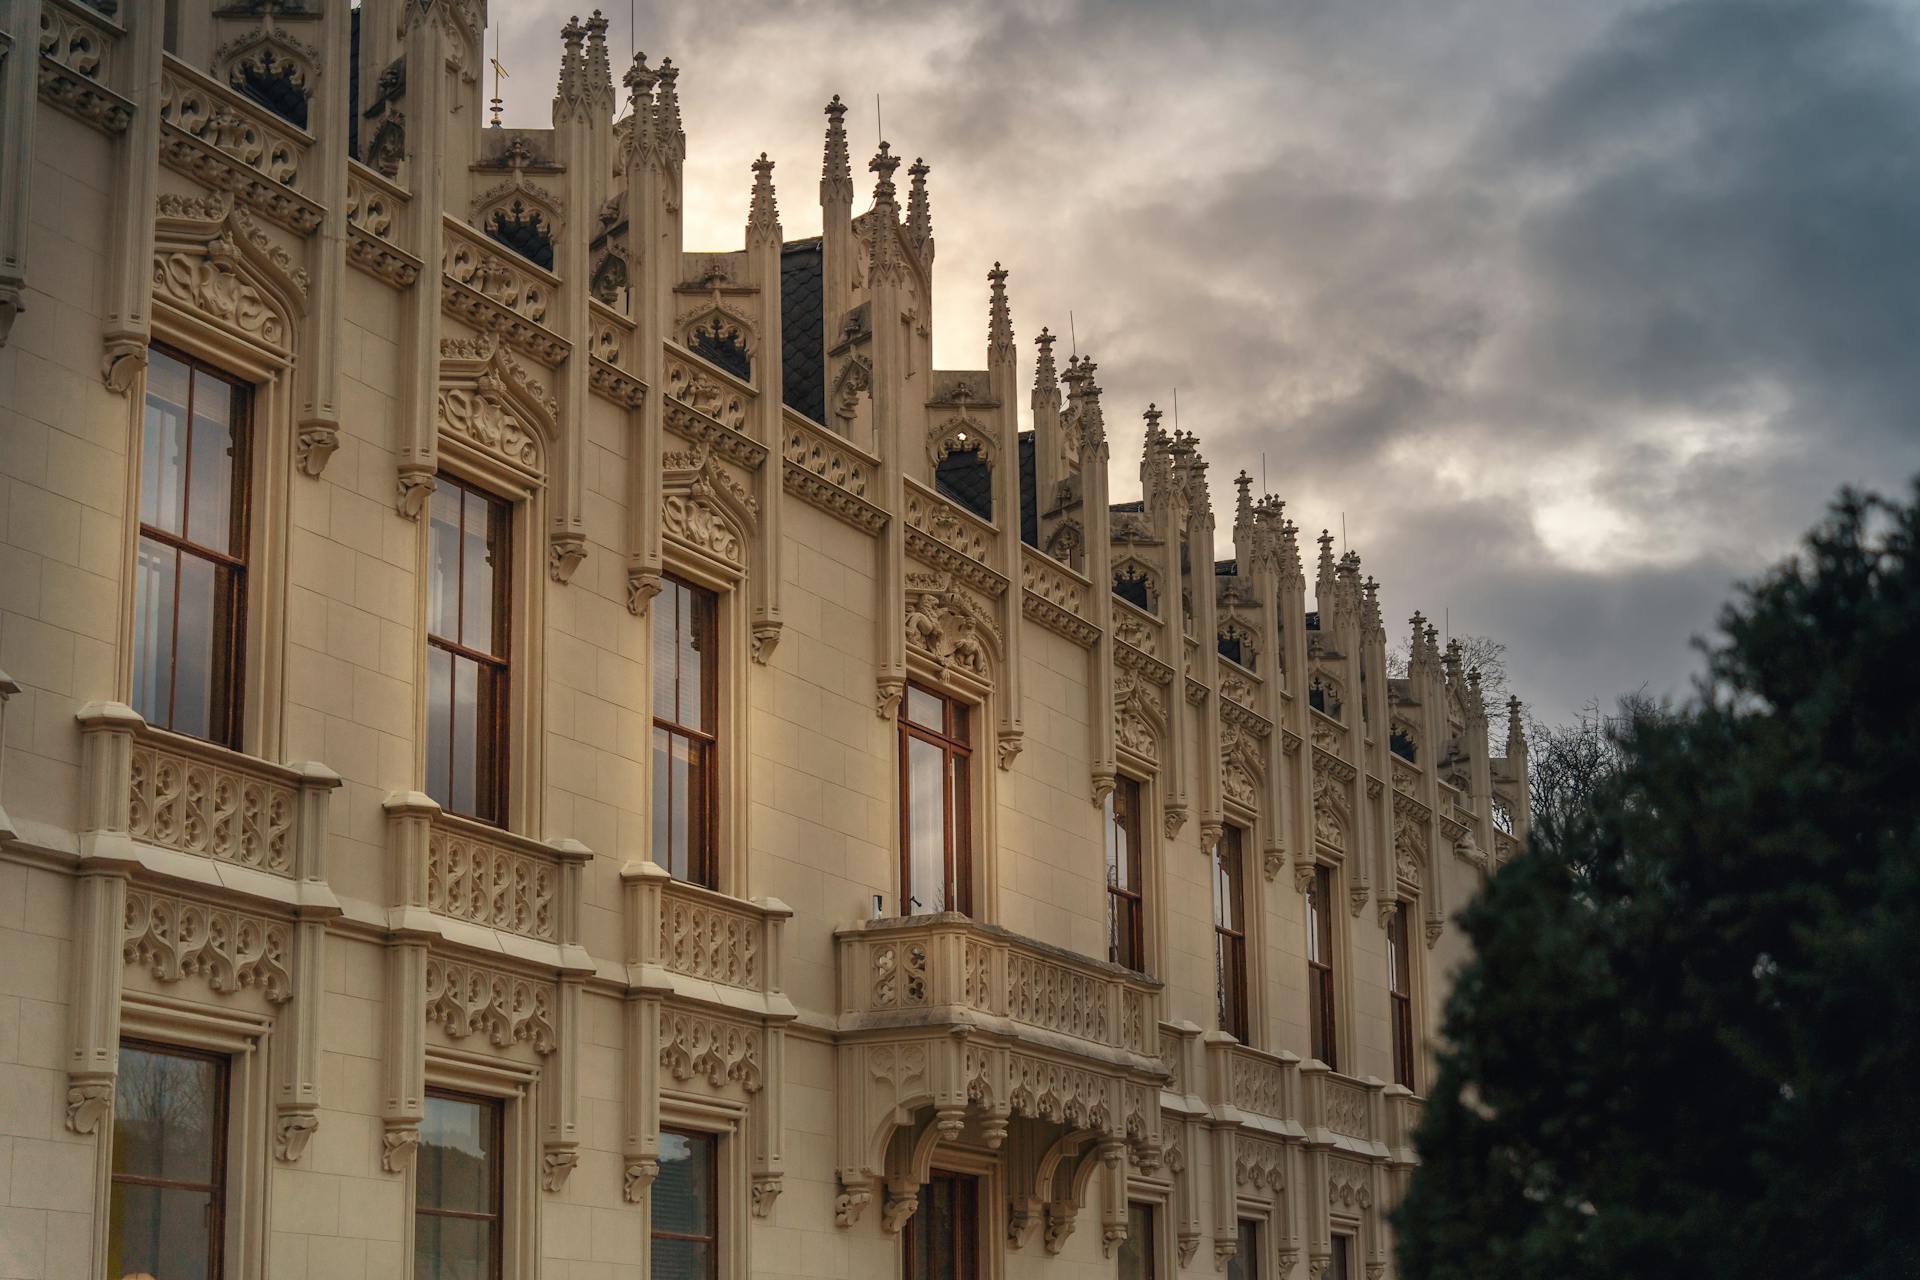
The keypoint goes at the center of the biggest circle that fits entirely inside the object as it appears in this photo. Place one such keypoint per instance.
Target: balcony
(949, 1026)
(695, 944)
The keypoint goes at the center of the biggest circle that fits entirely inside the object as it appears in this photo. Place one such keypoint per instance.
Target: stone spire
(1455, 663)
(1370, 605)
(599, 69)
(639, 80)
(570, 97)
(999, 317)
(884, 261)
(1325, 576)
(1243, 501)
(763, 214)
(1516, 734)
(1044, 377)
(836, 170)
(666, 117)
(919, 211)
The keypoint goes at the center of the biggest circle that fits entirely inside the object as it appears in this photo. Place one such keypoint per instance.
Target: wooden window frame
(1127, 908)
(1340, 1250)
(216, 1186)
(1400, 996)
(955, 742)
(1249, 1231)
(1231, 1004)
(1322, 1011)
(496, 1108)
(702, 863)
(967, 1229)
(498, 737)
(1147, 1245)
(226, 723)
(713, 1199)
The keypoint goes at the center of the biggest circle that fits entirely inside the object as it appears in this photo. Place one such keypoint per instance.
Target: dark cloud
(1574, 314)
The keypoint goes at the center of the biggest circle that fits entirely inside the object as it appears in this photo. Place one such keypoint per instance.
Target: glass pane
(154, 570)
(1137, 1251)
(1249, 1251)
(680, 789)
(694, 667)
(668, 610)
(699, 766)
(683, 1192)
(683, 1260)
(466, 720)
(439, 725)
(458, 1142)
(197, 632)
(451, 1248)
(663, 851)
(166, 1121)
(163, 449)
(477, 582)
(1337, 1264)
(926, 828)
(926, 709)
(211, 466)
(163, 1232)
(443, 563)
(959, 811)
(488, 744)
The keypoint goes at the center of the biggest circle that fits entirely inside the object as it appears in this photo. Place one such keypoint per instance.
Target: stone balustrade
(948, 968)
(1258, 1090)
(700, 943)
(1342, 1112)
(829, 472)
(150, 793)
(231, 143)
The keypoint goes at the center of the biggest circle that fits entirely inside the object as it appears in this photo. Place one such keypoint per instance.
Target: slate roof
(803, 350)
(1029, 496)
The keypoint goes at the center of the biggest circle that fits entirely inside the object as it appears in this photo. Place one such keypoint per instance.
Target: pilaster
(127, 305)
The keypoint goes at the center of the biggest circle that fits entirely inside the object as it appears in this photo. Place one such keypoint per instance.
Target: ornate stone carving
(949, 624)
(827, 473)
(1349, 1186)
(555, 1164)
(199, 807)
(1257, 1086)
(88, 1104)
(492, 885)
(466, 999)
(720, 1052)
(1346, 1109)
(705, 394)
(175, 938)
(228, 143)
(74, 68)
(1259, 1166)
(1139, 717)
(707, 941)
(291, 1133)
(705, 507)
(899, 978)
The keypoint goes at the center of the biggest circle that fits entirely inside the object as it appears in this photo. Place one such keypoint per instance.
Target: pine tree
(1688, 1042)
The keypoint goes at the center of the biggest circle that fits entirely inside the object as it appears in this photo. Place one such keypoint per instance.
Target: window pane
(926, 709)
(926, 828)
(477, 568)
(166, 1121)
(163, 450)
(680, 789)
(683, 1259)
(959, 811)
(451, 1248)
(667, 609)
(439, 725)
(1337, 1264)
(154, 572)
(458, 1145)
(196, 633)
(663, 850)
(466, 722)
(683, 1191)
(211, 466)
(1137, 1255)
(443, 562)
(692, 707)
(164, 1232)
(699, 770)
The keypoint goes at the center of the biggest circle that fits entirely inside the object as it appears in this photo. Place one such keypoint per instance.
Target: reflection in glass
(457, 1193)
(686, 1217)
(926, 827)
(685, 707)
(169, 1137)
(1139, 1256)
(467, 651)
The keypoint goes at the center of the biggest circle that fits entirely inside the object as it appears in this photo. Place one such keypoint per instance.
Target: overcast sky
(1574, 312)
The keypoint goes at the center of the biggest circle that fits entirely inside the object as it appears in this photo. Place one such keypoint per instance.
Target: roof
(803, 351)
(1226, 568)
(1029, 496)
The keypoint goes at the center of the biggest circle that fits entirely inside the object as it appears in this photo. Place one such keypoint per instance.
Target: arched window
(1323, 695)
(965, 477)
(720, 344)
(1401, 743)
(522, 229)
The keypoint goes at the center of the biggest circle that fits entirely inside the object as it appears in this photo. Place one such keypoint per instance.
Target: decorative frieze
(77, 49)
(942, 535)
(694, 1046)
(465, 999)
(376, 212)
(707, 392)
(174, 938)
(499, 292)
(1056, 597)
(226, 141)
(831, 474)
(492, 884)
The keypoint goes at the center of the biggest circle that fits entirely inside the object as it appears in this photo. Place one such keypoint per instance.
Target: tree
(1565, 762)
(1688, 1038)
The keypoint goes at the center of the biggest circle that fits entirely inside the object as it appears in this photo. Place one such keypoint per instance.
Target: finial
(1044, 378)
(999, 316)
(919, 211)
(884, 162)
(1326, 570)
(667, 118)
(836, 170)
(570, 96)
(1152, 416)
(1516, 735)
(1414, 649)
(599, 68)
(1243, 502)
(763, 214)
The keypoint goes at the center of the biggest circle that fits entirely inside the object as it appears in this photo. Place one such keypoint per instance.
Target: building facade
(599, 760)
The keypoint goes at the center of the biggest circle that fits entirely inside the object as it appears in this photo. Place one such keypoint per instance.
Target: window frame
(1132, 901)
(1145, 1245)
(955, 742)
(1340, 1251)
(499, 738)
(1230, 939)
(1323, 1022)
(217, 1187)
(702, 864)
(226, 684)
(1406, 1060)
(496, 1108)
(716, 1154)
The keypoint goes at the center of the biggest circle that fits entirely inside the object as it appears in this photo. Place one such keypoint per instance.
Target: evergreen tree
(1688, 1043)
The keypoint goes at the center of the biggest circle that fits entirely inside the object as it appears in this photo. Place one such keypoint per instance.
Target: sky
(1569, 315)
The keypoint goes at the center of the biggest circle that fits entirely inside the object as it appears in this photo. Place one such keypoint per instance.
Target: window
(1400, 992)
(942, 1238)
(1320, 1024)
(1139, 1255)
(168, 1185)
(965, 476)
(1126, 885)
(190, 575)
(685, 715)
(935, 804)
(1337, 1263)
(686, 1207)
(468, 574)
(1245, 1263)
(1401, 743)
(457, 1199)
(1230, 935)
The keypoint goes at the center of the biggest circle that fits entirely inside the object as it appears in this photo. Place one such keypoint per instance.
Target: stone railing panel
(78, 46)
(232, 144)
(1056, 597)
(830, 473)
(942, 534)
(703, 937)
(493, 883)
(501, 292)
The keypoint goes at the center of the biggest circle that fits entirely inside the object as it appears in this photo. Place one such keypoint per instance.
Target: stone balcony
(951, 1027)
